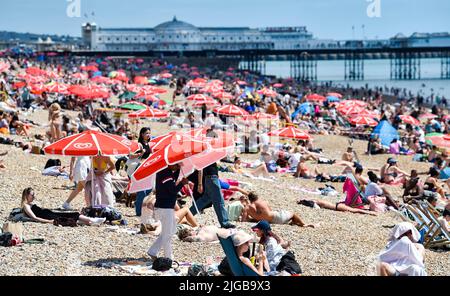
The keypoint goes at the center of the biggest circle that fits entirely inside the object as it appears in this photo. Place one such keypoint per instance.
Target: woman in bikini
(391, 174)
(54, 116)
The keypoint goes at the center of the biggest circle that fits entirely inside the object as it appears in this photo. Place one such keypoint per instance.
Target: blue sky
(331, 19)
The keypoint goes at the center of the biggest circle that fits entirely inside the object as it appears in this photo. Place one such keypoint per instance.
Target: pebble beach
(343, 244)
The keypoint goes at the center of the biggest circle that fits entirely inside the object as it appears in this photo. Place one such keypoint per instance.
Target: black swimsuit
(50, 215)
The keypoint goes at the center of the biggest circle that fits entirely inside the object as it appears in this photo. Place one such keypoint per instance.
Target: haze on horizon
(326, 19)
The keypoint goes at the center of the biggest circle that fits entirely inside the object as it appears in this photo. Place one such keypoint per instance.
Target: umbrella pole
(92, 182)
(192, 196)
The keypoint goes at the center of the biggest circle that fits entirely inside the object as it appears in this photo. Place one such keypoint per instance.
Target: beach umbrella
(267, 92)
(211, 89)
(363, 120)
(409, 119)
(306, 108)
(140, 80)
(92, 68)
(350, 110)
(133, 106)
(37, 88)
(80, 76)
(352, 103)
(4, 66)
(177, 152)
(149, 98)
(56, 87)
(89, 91)
(334, 94)
(149, 113)
(427, 116)
(241, 82)
(193, 153)
(34, 71)
(291, 133)
(278, 85)
(208, 103)
(333, 99)
(260, 116)
(441, 141)
(199, 98)
(315, 98)
(222, 95)
(369, 113)
(230, 110)
(166, 75)
(92, 143)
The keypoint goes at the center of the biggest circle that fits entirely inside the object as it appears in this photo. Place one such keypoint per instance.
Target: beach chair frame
(435, 229)
(237, 267)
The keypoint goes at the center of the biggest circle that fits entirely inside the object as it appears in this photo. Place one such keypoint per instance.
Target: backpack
(197, 270)
(224, 267)
(52, 163)
(63, 221)
(289, 264)
(163, 264)
(6, 239)
(111, 214)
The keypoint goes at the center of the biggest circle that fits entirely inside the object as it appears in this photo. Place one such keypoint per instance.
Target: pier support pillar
(254, 63)
(405, 65)
(445, 65)
(354, 66)
(303, 67)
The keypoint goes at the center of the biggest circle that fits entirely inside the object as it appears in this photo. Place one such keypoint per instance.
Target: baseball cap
(262, 225)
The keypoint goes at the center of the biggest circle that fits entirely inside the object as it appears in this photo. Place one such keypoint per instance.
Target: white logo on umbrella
(151, 161)
(126, 142)
(82, 145)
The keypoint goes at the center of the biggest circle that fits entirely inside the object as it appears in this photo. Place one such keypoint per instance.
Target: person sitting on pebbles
(256, 209)
(403, 255)
(47, 216)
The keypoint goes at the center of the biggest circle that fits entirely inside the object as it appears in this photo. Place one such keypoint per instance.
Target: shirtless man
(256, 209)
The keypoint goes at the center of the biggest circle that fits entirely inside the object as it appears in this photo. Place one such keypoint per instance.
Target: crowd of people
(160, 209)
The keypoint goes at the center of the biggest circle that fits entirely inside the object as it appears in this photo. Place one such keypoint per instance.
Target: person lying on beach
(182, 215)
(339, 206)
(403, 254)
(47, 216)
(259, 171)
(256, 209)
(204, 234)
(391, 174)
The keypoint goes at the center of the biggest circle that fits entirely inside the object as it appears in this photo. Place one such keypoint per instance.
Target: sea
(376, 74)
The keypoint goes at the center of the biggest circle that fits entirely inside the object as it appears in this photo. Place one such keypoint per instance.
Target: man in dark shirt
(166, 197)
(212, 192)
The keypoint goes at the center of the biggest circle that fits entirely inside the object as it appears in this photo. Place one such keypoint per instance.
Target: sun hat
(403, 227)
(240, 238)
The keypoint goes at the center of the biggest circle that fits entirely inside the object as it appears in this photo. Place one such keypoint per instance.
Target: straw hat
(240, 238)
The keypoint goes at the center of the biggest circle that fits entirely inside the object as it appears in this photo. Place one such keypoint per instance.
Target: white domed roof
(175, 25)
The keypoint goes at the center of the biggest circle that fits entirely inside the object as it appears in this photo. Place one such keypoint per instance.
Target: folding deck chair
(237, 267)
(357, 199)
(436, 236)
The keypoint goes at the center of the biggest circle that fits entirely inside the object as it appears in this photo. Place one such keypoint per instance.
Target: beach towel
(101, 186)
(353, 198)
